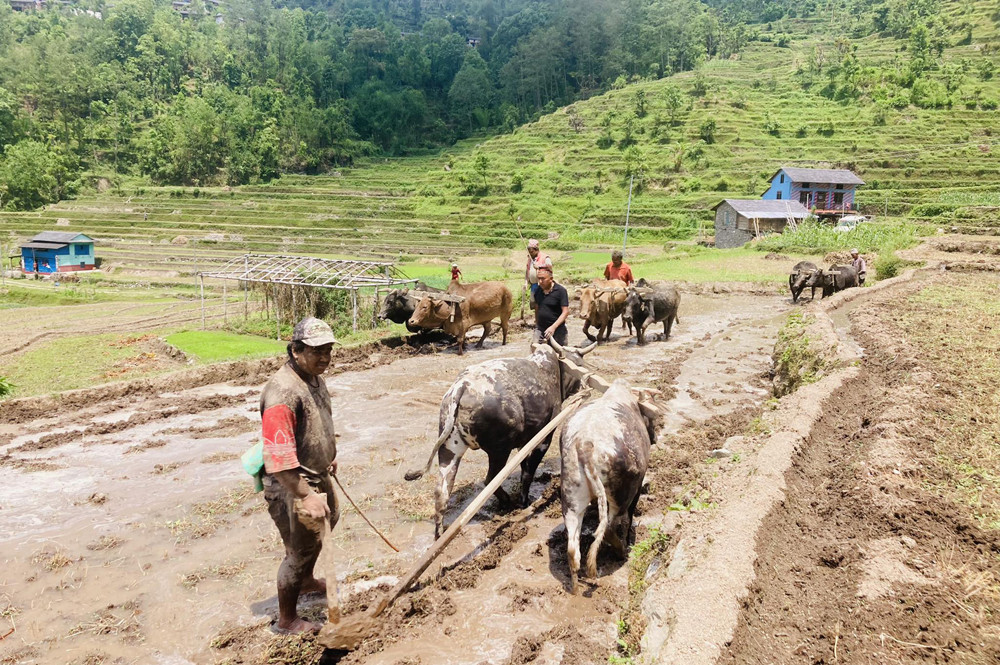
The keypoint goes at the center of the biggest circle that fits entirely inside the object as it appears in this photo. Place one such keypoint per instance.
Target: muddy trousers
(302, 545)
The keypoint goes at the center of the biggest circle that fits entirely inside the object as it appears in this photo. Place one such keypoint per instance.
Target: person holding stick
(300, 456)
(536, 260)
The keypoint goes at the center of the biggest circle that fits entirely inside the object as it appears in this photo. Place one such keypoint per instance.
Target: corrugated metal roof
(769, 209)
(59, 236)
(44, 245)
(821, 176)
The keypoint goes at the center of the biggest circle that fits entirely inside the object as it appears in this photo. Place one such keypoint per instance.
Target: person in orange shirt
(618, 269)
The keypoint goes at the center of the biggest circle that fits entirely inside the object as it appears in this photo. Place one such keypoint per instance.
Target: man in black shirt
(553, 308)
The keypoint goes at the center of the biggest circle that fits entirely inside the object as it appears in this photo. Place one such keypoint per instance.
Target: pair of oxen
(646, 303)
(807, 275)
(500, 405)
(481, 303)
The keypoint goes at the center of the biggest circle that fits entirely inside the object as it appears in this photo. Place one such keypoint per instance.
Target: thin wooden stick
(367, 521)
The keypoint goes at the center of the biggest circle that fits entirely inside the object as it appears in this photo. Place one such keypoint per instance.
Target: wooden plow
(347, 632)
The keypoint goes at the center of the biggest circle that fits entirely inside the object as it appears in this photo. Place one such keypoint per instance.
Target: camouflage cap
(313, 332)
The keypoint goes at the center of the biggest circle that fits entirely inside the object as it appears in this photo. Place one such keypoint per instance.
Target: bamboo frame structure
(307, 271)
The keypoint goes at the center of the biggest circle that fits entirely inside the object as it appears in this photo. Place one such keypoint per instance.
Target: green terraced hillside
(732, 123)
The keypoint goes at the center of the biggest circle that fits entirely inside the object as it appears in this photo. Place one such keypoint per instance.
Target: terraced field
(551, 179)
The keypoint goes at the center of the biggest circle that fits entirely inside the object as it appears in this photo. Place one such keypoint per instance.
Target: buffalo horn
(557, 346)
(584, 351)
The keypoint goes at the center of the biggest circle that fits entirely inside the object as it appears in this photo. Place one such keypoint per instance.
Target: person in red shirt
(455, 272)
(300, 455)
(618, 269)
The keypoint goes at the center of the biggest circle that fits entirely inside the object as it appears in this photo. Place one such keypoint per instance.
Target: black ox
(804, 274)
(499, 405)
(651, 302)
(399, 304)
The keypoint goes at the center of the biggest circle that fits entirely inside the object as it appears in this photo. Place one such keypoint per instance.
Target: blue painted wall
(74, 256)
(817, 195)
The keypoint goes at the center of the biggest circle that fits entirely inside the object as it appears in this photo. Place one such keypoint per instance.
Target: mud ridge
(191, 406)
(711, 567)
(848, 566)
(241, 372)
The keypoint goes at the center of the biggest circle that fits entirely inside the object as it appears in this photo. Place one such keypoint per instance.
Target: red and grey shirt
(297, 423)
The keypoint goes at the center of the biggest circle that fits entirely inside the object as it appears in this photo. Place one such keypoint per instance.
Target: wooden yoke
(444, 297)
(601, 385)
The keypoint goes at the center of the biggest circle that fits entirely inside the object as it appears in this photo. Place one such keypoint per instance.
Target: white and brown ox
(604, 449)
(498, 406)
(601, 302)
(484, 301)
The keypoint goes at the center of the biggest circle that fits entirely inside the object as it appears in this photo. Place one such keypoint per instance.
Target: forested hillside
(240, 91)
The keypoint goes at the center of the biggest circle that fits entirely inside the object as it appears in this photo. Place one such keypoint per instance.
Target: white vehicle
(849, 223)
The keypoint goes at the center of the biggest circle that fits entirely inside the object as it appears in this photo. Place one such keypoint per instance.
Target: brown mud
(165, 555)
(862, 562)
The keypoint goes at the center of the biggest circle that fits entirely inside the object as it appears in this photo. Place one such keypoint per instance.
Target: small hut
(738, 221)
(58, 251)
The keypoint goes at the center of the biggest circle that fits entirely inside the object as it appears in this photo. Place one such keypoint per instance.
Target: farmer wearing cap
(536, 260)
(859, 264)
(455, 272)
(300, 453)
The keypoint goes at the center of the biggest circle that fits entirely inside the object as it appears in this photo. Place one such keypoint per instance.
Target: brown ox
(600, 309)
(484, 301)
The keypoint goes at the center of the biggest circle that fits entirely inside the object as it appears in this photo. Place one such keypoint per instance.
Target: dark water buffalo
(649, 303)
(398, 305)
(838, 278)
(604, 449)
(600, 309)
(484, 301)
(804, 274)
(499, 405)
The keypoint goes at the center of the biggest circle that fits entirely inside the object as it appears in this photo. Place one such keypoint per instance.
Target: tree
(707, 130)
(471, 88)
(481, 165)
(673, 100)
(34, 175)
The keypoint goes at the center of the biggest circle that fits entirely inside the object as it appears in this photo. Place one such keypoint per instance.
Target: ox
(604, 449)
(483, 302)
(838, 278)
(398, 305)
(599, 309)
(499, 405)
(804, 274)
(651, 303)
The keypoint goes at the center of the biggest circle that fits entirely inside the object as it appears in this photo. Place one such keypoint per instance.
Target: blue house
(827, 192)
(56, 251)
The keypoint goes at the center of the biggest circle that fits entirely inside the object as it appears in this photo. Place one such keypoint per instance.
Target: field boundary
(250, 372)
(712, 566)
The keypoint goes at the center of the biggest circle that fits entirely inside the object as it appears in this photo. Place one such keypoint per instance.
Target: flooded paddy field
(131, 532)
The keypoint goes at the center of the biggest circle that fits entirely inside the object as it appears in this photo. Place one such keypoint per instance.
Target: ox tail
(449, 425)
(596, 487)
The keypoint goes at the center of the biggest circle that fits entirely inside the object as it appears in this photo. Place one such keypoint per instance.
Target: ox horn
(557, 346)
(584, 351)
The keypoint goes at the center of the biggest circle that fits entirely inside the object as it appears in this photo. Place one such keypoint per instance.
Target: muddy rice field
(129, 532)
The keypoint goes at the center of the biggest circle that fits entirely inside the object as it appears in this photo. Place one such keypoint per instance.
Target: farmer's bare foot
(314, 585)
(296, 626)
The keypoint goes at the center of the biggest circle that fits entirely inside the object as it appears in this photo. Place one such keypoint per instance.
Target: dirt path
(133, 534)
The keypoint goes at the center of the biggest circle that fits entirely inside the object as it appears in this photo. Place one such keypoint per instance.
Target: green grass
(810, 237)
(78, 362)
(210, 346)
